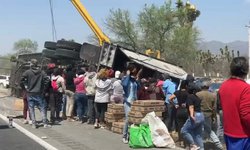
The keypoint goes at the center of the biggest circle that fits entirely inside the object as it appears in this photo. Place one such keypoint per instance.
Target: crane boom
(90, 21)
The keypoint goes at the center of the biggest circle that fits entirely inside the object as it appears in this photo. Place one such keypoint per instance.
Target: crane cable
(54, 36)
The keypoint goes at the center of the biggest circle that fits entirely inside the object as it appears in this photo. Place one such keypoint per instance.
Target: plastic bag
(159, 131)
(140, 137)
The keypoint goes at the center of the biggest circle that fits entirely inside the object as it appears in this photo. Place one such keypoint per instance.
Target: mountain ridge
(214, 46)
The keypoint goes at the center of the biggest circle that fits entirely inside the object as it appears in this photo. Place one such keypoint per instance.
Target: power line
(54, 36)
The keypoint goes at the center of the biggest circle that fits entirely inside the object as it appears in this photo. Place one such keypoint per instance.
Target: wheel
(50, 45)
(67, 54)
(68, 45)
(49, 53)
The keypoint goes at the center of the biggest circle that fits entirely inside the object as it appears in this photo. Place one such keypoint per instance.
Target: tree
(25, 46)
(5, 64)
(158, 28)
(124, 31)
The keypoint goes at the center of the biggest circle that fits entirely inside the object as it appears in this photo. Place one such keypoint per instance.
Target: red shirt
(79, 83)
(235, 101)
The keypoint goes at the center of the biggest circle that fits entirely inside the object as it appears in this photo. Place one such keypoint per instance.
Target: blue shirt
(130, 87)
(169, 88)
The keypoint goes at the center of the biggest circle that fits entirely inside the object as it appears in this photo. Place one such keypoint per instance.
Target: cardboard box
(137, 114)
(117, 130)
(112, 115)
(116, 111)
(109, 117)
(116, 106)
(148, 103)
(118, 125)
(108, 126)
(134, 120)
(145, 109)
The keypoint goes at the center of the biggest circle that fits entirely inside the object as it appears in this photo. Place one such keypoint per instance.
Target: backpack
(54, 85)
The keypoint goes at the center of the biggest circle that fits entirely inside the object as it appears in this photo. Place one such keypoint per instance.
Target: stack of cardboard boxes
(140, 108)
(114, 118)
(117, 127)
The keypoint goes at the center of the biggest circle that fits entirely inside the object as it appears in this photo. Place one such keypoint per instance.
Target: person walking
(26, 114)
(192, 129)
(208, 105)
(181, 112)
(234, 95)
(35, 81)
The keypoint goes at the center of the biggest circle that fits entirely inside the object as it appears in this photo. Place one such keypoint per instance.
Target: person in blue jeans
(35, 81)
(192, 129)
(208, 104)
(130, 86)
(80, 96)
(169, 88)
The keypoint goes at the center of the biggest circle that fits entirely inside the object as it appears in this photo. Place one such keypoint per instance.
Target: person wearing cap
(35, 81)
(208, 104)
(234, 95)
(117, 95)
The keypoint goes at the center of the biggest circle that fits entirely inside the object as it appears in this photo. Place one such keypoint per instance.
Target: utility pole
(248, 26)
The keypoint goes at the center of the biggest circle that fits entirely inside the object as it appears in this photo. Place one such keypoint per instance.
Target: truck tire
(67, 54)
(49, 53)
(68, 45)
(50, 45)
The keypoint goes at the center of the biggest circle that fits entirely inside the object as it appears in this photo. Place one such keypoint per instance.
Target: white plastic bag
(159, 131)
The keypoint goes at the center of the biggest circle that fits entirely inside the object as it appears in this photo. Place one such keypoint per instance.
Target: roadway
(12, 139)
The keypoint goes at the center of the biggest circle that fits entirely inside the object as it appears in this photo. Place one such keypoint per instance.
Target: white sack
(159, 131)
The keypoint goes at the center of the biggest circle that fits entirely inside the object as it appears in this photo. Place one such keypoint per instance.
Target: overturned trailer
(21, 64)
(116, 57)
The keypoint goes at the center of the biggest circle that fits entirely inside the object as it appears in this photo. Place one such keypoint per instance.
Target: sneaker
(46, 126)
(25, 122)
(90, 122)
(30, 122)
(70, 119)
(34, 126)
(96, 125)
(125, 140)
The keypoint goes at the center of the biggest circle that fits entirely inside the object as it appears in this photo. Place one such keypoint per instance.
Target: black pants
(100, 109)
(55, 106)
(181, 118)
(170, 117)
(91, 108)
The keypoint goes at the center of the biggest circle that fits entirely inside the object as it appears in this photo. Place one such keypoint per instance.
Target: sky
(220, 20)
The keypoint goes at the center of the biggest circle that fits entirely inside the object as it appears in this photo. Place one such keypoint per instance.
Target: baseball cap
(117, 74)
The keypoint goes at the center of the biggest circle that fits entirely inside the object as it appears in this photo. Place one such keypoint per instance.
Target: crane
(90, 21)
(97, 30)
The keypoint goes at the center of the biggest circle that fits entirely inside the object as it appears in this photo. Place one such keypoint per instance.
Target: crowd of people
(195, 113)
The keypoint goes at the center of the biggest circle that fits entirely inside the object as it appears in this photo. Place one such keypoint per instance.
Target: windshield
(214, 86)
